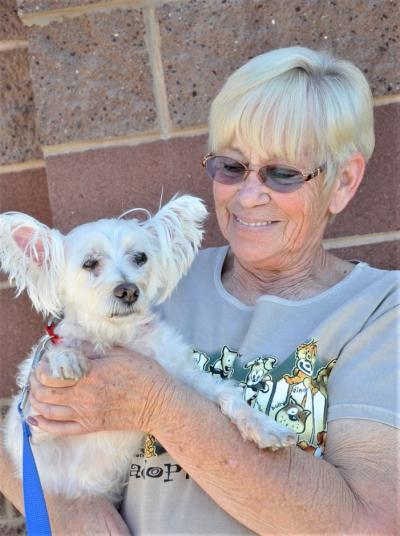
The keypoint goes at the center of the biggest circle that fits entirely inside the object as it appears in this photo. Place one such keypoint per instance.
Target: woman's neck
(304, 278)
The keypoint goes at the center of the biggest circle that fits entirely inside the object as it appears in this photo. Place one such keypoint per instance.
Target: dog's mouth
(122, 314)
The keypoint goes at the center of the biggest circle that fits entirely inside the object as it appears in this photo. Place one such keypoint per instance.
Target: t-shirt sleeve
(364, 384)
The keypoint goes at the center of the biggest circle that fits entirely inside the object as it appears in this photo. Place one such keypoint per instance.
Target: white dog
(102, 279)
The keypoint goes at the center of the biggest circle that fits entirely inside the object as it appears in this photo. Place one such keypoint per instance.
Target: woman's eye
(283, 173)
(140, 258)
(90, 264)
(232, 168)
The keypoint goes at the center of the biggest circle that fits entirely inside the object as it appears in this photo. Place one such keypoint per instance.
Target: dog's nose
(127, 292)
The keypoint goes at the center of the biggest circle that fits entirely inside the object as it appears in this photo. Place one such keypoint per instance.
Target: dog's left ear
(177, 229)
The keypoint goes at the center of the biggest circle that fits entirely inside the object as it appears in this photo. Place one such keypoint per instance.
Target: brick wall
(105, 103)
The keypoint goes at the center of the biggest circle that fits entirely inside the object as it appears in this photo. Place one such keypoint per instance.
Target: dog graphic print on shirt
(293, 391)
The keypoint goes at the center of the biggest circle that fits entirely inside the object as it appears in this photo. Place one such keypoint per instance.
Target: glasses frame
(306, 176)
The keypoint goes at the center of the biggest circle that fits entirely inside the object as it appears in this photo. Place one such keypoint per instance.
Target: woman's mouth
(260, 223)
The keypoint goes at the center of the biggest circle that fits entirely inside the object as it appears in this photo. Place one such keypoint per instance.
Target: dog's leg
(252, 424)
(67, 363)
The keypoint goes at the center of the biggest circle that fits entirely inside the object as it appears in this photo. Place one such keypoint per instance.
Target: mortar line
(5, 285)
(361, 240)
(57, 15)
(153, 43)
(121, 141)
(13, 44)
(22, 166)
(386, 99)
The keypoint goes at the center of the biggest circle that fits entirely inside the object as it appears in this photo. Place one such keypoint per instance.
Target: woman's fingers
(52, 411)
(44, 376)
(50, 395)
(57, 428)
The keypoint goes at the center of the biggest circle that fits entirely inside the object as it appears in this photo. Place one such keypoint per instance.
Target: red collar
(55, 339)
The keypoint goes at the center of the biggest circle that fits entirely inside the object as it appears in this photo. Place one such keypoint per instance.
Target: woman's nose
(252, 191)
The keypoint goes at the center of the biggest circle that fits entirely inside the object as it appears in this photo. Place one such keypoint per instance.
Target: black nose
(127, 292)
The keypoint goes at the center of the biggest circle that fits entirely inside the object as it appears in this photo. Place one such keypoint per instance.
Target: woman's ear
(347, 183)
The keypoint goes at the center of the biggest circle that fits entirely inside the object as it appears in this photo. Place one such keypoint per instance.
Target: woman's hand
(122, 391)
(94, 515)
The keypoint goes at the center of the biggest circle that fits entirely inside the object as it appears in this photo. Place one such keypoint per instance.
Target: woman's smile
(253, 224)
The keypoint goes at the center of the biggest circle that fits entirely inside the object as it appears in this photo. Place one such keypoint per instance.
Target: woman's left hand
(122, 391)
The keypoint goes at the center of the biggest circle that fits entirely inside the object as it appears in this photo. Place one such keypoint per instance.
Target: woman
(290, 133)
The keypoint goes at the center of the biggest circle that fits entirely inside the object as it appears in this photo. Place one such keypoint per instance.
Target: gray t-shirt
(289, 357)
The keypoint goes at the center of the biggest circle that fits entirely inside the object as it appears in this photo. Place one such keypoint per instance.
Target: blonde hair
(294, 104)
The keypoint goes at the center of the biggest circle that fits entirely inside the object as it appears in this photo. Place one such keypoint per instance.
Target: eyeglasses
(278, 177)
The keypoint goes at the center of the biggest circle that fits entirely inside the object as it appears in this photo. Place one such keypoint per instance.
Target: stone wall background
(104, 104)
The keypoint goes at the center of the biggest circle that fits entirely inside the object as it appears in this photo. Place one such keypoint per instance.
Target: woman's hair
(294, 104)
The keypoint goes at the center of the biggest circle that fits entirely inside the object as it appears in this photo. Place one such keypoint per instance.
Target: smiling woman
(310, 339)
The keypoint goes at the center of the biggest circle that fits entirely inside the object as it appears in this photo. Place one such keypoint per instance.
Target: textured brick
(18, 141)
(12, 529)
(26, 191)
(20, 327)
(137, 175)
(204, 41)
(3, 412)
(11, 26)
(385, 255)
(33, 6)
(375, 207)
(104, 183)
(91, 77)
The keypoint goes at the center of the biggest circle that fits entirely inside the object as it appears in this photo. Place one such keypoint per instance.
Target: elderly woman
(290, 133)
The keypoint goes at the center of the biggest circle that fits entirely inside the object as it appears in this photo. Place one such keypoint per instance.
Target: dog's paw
(266, 432)
(256, 426)
(68, 364)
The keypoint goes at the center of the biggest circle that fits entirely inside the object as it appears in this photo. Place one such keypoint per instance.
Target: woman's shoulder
(382, 283)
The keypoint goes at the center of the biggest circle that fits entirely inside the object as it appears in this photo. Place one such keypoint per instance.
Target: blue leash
(36, 516)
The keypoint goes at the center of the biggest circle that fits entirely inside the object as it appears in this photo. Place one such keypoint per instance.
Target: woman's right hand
(92, 516)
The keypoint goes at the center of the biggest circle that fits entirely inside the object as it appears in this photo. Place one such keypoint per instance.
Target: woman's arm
(353, 490)
(85, 517)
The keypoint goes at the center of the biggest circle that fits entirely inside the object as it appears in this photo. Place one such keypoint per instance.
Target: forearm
(10, 484)
(288, 491)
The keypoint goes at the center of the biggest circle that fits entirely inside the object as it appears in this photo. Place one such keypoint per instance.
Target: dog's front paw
(68, 364)
(256, 426)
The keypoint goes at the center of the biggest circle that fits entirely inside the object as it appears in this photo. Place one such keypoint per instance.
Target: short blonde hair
(294, 104)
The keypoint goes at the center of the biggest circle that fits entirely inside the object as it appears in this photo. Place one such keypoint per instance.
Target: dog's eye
(90, 264)
(140, 258)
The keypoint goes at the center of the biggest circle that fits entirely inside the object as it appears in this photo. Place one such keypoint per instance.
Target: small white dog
(102, 280)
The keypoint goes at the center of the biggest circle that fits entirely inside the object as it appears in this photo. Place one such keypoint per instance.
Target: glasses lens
(281, 178)
(225, 170)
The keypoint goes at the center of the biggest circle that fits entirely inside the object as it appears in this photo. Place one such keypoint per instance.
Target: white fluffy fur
(50, 266)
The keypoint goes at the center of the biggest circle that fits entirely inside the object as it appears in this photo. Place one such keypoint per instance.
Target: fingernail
(32, 421)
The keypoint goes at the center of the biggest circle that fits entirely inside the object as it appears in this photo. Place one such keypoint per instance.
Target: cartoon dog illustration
(257, 377)
(223, 367)
(201, 359)
(321, 380)
(293, 415)
(306, 356)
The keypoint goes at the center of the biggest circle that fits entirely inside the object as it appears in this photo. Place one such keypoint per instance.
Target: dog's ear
(177, 229)
(33, 257)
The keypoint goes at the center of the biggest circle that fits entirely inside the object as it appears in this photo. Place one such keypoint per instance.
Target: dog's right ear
(33, 257)
(177, 230)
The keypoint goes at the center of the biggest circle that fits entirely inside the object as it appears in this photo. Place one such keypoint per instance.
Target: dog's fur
(76, 276)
